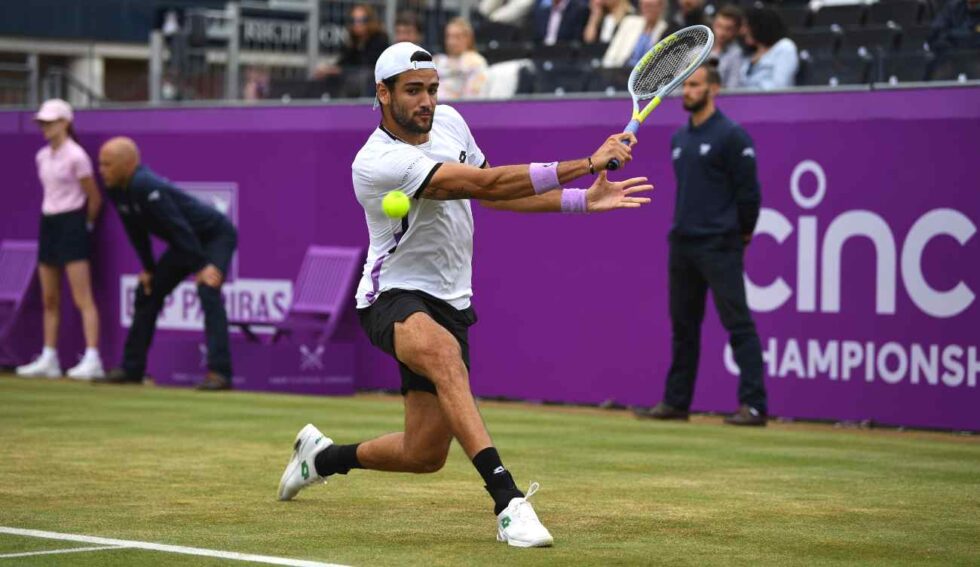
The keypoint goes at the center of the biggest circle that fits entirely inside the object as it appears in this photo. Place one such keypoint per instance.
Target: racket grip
(631, 128)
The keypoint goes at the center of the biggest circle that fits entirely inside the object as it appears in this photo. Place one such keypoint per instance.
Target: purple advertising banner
(862, 276)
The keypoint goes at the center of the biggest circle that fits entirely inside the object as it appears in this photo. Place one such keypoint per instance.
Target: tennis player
(414, 297)
(68, 212)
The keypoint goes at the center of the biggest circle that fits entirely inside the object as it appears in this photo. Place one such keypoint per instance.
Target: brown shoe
(747, 415)
(662, 411)
(214, 382)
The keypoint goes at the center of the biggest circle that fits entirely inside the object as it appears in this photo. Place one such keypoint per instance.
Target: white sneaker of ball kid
(44, 366)
(301, 470)
(519, 526)
(89, 367)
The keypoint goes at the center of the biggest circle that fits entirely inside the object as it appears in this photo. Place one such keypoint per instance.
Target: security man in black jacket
(202, 242)
(715, 215)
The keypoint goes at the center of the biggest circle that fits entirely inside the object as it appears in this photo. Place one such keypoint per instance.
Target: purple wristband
(573, 201)
(544, 177)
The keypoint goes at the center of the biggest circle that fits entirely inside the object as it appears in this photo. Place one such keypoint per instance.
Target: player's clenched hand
(146, 280)
(210, 276)
(605, 195)
(614, 148)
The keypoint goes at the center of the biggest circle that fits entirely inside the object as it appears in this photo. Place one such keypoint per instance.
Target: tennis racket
(663, 69)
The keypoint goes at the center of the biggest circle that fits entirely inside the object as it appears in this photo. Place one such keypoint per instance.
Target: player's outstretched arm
(603, 195)
(458, 181)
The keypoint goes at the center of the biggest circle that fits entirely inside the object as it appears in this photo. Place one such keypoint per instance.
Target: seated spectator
(513, 12)
(604, 17)
(956, 26)
(690, 13)
(462, 71)
(637, 35)
(774, 63)
(365, 38)
(559, 20)
(408, 28)
(727, 54)
(353, 74)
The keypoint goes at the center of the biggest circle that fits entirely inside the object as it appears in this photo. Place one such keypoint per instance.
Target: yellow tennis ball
(395, 204)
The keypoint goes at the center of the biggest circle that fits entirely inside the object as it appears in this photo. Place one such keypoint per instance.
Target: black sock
(500, 484)
(337, 459)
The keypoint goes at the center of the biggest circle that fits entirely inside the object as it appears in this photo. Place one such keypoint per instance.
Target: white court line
(167, 548)
(53, 551)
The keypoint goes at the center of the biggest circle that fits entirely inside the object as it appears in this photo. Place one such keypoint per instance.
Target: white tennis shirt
(431, 249)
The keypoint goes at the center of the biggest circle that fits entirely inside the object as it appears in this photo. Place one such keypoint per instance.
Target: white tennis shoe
(44, 366)
(301, 470)
(519, 526)
(88, 368)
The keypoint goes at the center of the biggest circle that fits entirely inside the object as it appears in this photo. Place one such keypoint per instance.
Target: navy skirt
(64, 238)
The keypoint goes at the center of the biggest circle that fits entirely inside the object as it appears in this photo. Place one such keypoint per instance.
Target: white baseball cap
(54, 109)
(396, 60)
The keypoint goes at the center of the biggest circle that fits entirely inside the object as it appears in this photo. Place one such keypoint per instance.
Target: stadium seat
(850, 69)
(608, 80)
(905, 13)
(495, 31)
(874, 37)
(18, 259)
(566, 51)
(915, 38)
(497, 52)
(842, 15)
(956, 65)
(590, 51)
(560, 77)
(320, 294)
(899, 68)
(823, 41)
(794, 16)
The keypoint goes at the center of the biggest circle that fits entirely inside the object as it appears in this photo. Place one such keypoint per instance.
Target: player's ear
(384, 95)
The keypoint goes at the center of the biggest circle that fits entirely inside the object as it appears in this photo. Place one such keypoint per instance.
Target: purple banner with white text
(862, 276)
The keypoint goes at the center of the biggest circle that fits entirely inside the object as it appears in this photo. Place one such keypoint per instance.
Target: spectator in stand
(774, 63)
(604, 18)
(353, 74)
(956, 26)
(637, 34)
(462, 71)
(727, 54)
(408, 28)
(257, 81)
(513, 12)
(690, 13)
(559, 20)
(365, 39)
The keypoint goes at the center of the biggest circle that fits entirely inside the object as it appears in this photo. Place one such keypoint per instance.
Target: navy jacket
(717, 187)
(151, 205)
(573, 20)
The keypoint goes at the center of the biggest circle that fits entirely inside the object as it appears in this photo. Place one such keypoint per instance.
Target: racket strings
(669, 63)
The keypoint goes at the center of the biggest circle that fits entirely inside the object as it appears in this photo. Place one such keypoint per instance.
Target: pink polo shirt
(60, 172)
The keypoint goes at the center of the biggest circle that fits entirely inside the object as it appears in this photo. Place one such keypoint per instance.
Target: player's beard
(404, 119)
(696, 105)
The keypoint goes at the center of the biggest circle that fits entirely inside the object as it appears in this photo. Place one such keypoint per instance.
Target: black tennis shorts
(396, 305)
(64, 238)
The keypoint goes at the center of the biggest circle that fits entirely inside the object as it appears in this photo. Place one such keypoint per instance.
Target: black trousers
(697, 264)
(172, 268)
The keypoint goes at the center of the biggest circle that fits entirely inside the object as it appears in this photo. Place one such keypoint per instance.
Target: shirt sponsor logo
(705, 148)
(748, 152)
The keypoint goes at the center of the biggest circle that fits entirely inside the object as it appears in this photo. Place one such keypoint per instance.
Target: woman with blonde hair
(604, 18)
(70, 206)
(462, 71)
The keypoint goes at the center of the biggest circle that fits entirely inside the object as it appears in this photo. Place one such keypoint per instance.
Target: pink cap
(54, 109)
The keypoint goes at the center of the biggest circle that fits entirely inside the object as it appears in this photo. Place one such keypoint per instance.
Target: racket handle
(631, 128)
